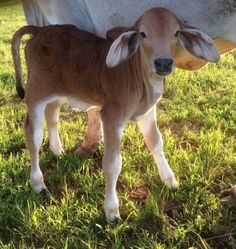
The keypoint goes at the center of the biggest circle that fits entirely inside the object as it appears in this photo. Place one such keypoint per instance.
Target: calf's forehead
(158, 20)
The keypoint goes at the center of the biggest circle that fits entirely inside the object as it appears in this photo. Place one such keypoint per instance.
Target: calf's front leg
(111, 165)
(154, 142)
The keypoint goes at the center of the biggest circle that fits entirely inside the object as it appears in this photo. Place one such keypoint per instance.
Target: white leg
(52, 115)
(34, 137)
(154, 141)
(111, 166)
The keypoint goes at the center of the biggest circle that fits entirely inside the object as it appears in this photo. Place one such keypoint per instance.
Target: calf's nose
(163, 66)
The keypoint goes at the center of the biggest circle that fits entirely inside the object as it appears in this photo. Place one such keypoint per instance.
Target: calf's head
(156, 33)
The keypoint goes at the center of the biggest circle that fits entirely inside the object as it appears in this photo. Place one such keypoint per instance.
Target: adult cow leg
(111, 162)
(94, 133)
(154, 141)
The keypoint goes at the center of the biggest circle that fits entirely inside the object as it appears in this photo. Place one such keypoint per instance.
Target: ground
(197, 117)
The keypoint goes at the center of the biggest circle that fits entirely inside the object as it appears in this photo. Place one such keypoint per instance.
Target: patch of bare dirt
(139, 193)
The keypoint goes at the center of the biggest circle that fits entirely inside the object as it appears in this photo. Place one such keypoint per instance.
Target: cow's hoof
(229, 196)
(171, 182)
(57, 150)
(83, 152)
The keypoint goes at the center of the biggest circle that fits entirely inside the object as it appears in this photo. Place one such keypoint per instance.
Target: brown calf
(117, 79)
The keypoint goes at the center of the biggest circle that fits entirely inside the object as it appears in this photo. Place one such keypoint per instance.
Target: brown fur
(71, 62)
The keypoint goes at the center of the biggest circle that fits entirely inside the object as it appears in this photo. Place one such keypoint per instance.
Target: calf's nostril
(170, 62)
(163, 65)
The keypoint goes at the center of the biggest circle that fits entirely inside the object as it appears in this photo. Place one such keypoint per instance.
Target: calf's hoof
(111, 209)
(83, 152)
(57, 150)
(38, 187)
(229, 196)
(37, 183)
(171, 182)
(113, 216)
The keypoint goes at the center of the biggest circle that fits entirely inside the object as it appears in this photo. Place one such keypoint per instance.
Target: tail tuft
(15, 46)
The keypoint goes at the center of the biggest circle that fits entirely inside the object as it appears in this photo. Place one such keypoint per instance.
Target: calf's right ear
(122, 48)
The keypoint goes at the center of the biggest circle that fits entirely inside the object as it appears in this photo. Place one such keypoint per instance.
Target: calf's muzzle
(163, 66)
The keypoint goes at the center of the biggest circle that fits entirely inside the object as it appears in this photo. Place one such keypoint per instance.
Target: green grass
(197, 117)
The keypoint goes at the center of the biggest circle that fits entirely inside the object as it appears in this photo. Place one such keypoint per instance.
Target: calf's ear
(122, 48)
(198, 44)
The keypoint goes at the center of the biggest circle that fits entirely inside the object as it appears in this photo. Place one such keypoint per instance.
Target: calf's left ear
(199, 44)
(122, 48)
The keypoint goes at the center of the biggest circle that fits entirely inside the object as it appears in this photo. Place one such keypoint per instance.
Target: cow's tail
(15, 49)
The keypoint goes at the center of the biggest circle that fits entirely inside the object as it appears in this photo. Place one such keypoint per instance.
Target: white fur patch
(157, 86)
(120, 131)
(36, 180)
(112, 168)
(146, 121)
(111, 207)
(55, 142)
(38, 123)
(38, 137)
(72, 102)
(78, 104)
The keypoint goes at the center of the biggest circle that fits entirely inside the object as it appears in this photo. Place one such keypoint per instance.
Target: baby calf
(121, 75)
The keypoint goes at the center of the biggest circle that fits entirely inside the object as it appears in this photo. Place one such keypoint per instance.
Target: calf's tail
(15, 49)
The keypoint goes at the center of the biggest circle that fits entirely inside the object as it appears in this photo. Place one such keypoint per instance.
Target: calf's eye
(177, 33)
(143, 34)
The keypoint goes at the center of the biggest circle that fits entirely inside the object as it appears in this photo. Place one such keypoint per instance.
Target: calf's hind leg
(34, 137)
(52, 111)
(94, 134)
